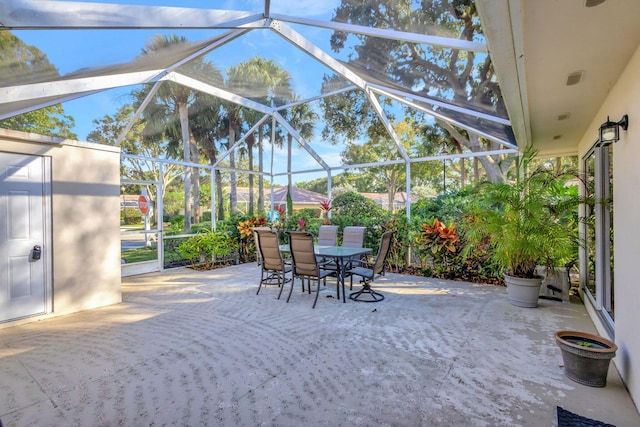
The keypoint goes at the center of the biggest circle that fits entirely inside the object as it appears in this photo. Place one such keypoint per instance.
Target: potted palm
(527, 222)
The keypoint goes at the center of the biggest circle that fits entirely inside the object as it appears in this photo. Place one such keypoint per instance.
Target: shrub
(447, 207)
(438, 246)
(130, 216)
(207, 246)
(355, 205)
(528, 222)
(177, 223)
(246, 244)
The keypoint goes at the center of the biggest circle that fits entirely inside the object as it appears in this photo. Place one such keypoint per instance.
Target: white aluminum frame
(34, 14)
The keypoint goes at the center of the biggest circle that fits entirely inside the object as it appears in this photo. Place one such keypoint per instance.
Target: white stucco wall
(624, 98)
(85, 207)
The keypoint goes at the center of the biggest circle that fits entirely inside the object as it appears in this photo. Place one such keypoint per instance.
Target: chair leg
(284, 280)
(261, 280)
(293, 279)
(366, 290)
(317, 292)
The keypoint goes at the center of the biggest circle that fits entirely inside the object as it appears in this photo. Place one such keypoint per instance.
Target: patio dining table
(339, 254)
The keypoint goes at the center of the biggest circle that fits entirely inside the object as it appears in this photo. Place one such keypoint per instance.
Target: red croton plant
(244, 227)
(246, 245)
(438, 239)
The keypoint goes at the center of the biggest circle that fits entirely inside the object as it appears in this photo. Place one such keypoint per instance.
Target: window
(598, 281)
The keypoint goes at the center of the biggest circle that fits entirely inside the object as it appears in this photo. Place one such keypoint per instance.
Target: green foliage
(49, 121)
(448, 207)
(309, 213)
(438, 247)
(173, 201)
(527, 222)
(228, 224)
(139, 254)
(355, 205)
(459, 78)
(207, 246)
(246, 242)
(345, 179)
(176, 223)
(172, 258)
(309, 216)
(201, 226)
(21, 64)
(130, 216)
(289, 203)
(404, 232)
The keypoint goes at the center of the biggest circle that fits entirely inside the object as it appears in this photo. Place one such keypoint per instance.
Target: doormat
(569, 419)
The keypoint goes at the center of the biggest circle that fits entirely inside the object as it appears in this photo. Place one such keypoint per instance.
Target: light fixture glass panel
(608, 134)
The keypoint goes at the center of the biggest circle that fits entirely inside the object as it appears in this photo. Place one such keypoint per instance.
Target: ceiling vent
(575, 78)
(564, 116)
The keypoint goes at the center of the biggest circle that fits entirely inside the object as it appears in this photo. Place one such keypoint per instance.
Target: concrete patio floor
(189, 348)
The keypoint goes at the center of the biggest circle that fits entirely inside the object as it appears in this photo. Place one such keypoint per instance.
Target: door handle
(36, 253)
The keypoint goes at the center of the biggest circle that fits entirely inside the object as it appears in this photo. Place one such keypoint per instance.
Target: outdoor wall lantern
(610, 131)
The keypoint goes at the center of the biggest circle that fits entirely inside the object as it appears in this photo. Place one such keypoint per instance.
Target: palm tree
(172, 103)
(302, 117)
(208, 131)
(263, 81)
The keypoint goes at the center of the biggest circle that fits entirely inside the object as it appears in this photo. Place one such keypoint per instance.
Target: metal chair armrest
(325, 262)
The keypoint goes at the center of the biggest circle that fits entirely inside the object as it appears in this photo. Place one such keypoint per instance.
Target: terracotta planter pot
(523, 292)
(586, 357)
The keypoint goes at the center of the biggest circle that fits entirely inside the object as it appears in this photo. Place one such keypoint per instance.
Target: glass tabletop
(333, 251)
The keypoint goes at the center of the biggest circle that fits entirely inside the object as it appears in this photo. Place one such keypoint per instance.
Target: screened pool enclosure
(262, 91)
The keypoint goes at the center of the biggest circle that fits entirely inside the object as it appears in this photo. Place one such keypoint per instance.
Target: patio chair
(369, 271)
(274, 267)
(353, 237)
(327, 235)
(255, 241)
(305, 264)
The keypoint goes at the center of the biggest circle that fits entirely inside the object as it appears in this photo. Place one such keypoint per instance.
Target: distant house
(302, 199)
(382, 199)
(306, 199)
(129, 201)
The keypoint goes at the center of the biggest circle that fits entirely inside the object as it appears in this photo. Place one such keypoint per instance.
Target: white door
(23, 191)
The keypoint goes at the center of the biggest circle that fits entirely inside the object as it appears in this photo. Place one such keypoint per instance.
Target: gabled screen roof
(424, 63)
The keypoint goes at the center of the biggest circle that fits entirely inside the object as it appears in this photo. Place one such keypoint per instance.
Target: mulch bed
(413, 271)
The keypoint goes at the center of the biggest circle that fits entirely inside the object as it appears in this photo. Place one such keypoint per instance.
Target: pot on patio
(523, 292)
(586, 357)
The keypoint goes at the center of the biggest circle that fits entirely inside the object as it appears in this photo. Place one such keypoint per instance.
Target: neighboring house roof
(299, 196)
(382, 198)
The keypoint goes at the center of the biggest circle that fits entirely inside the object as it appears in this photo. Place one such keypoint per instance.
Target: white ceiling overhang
(536, 45)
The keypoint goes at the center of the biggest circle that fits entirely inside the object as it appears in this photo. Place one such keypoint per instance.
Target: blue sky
(71, 50)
